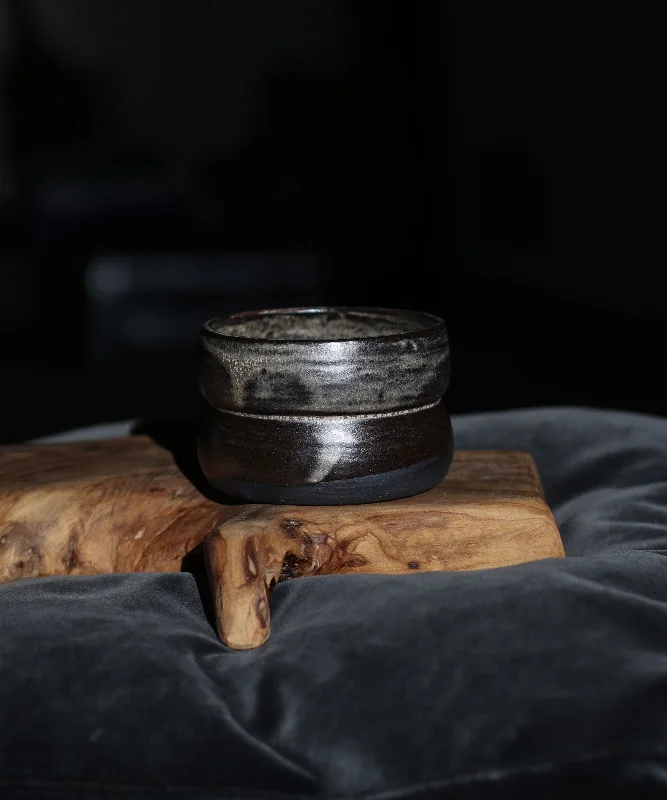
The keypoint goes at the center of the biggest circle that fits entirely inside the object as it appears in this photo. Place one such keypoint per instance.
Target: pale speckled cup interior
(319, 325)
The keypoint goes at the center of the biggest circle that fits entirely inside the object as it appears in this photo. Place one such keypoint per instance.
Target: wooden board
(124, 505)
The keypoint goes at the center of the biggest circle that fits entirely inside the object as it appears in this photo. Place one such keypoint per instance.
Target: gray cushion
(541, 680)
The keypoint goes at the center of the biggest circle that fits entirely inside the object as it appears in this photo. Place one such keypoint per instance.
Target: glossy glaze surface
(323, 460)
(324, 361)
(324, 406)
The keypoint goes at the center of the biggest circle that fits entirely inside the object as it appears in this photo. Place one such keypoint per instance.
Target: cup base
(392, 485)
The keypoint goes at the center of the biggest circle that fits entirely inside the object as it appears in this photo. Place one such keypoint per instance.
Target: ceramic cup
(324, 406)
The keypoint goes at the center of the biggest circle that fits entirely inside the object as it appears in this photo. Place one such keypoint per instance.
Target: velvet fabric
(546, 679)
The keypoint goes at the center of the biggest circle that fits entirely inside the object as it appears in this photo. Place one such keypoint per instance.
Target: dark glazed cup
(324, 406)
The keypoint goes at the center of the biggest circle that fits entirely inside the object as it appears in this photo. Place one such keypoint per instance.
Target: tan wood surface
(124, 506)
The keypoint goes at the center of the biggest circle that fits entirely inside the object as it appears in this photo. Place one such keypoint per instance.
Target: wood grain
(97, 507)
(123, 505)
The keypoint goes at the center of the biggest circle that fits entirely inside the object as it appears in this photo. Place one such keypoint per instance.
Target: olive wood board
(125, 505)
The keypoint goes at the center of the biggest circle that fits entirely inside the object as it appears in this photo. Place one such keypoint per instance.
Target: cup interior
(321, 324)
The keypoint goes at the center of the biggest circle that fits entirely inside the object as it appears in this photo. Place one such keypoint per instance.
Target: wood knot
(355, 562)
(292, 567)
(290, 526)
(413, 564)
(71, 560)
(71, 555)
(251, 560)
(262, 609)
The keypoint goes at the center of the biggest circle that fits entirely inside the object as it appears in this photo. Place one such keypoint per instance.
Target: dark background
(162, 161)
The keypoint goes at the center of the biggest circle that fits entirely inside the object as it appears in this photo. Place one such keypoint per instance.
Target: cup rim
(432, 324)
